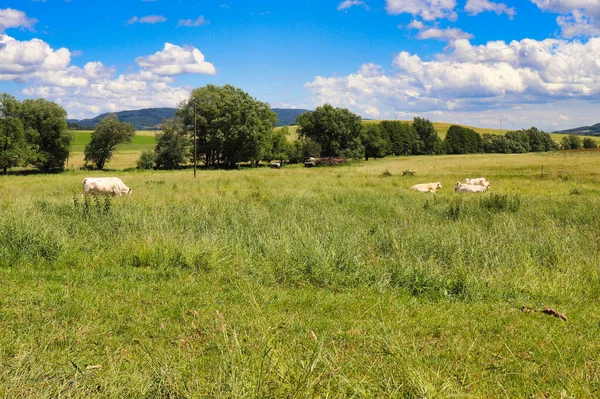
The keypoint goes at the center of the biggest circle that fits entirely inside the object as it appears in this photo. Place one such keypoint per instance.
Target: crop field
(293, 283)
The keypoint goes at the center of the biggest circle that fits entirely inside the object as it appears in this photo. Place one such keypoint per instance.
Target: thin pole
(194, 140)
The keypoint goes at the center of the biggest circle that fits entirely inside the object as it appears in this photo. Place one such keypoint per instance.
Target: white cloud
(175, 60)
(434, 32)
(469, 82)
(444, 34)
(579, 17)
(148, 19)
(93, 88)
(10, 18)
(351, 3)
(474, 7)
(428, 10)
(200, 21)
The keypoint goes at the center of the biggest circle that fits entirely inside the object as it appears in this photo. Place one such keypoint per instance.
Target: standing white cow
(480, 181)
(469, 188)
(105, 185)
(427, 187)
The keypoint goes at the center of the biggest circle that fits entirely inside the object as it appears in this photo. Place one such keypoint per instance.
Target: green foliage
(589, 142)
(571, 142)
(427, 135)
(336, 130)
(45, 124)
(108, 134)
(402, 138)
(13, 147)
(374, 143)
(172, 145)
(278, 147)
(232, 126)
(462, 140)
(146, 160)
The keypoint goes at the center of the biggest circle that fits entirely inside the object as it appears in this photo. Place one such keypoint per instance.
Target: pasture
(321, 282)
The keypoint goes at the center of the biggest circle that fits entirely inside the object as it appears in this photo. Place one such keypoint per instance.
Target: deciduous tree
(45, 124)
(108, 134)
(13, 147)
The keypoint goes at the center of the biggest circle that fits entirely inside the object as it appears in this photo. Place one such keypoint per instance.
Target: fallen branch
(547, 311)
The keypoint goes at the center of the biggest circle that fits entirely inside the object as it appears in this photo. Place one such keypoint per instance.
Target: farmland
(336, 282)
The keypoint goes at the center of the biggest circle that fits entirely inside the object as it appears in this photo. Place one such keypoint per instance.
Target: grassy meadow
(293, 283)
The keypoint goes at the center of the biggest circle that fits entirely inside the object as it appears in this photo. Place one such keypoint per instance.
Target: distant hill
(150, 118)
(287, 116)
(583, 131)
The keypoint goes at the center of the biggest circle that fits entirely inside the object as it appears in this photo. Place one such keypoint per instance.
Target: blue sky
(477, 62)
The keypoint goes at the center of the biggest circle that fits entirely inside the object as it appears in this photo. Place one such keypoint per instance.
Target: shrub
(146, 160)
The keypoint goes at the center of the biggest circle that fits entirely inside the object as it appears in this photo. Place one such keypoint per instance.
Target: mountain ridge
(150, 118)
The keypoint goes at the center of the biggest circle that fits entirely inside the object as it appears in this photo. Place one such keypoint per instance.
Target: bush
(146, 160)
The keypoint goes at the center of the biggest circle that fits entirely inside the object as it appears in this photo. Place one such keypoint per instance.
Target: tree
(13, 147)
(146, 160)
(518, 141)
(589, 142)
(172, 145)
(402, 138)
(278, 146)
(570, 142)
(232, 127)
(45, 124)
(336, 130)
(495, 143)
(108, 134)
(375, 145)
(428, 135)
(462, 140)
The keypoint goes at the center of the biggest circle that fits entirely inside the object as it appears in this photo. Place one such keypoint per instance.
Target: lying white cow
(427, 187)
(275, 165)
(105, 185)
(469, 188)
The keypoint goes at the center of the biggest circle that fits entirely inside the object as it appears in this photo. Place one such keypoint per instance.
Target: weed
(501, 203)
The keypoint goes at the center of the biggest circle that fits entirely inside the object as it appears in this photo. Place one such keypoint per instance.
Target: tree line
(230, 127)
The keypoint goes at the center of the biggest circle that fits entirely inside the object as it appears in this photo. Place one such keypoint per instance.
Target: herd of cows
(478, 185)
(115, 186)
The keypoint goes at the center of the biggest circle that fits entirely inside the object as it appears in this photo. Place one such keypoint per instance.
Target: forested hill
(583, 131)
(150, 118)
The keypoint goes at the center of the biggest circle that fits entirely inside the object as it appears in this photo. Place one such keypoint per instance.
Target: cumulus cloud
(474, 7)
(148, 19)
(193, 23)
(428, 10)
(474, 81)
(579, 17)
(175, 60)
(95, 87)
(351, 3)
(10, 18)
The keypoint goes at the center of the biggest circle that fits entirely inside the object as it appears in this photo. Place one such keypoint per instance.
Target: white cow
(469, 188)
(427, 187)
(275, 165)
(480, 181)
(105, 185)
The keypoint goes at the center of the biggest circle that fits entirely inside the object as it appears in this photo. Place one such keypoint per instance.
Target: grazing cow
(105, 185)
(427, 187)
(480, 181)
(275, 165)
(469, 188)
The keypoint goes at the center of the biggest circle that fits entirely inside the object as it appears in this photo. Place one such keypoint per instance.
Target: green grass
(141, 141)
(324, 282)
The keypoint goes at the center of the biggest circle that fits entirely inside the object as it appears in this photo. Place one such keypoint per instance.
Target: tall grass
(335, 282)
